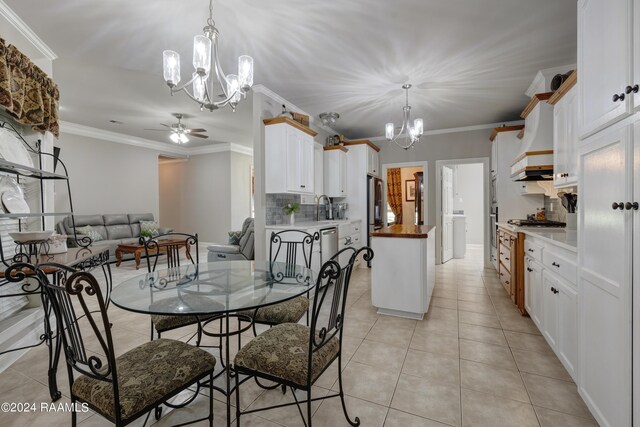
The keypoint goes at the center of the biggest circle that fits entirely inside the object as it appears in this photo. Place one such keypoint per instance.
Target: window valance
(27, 92)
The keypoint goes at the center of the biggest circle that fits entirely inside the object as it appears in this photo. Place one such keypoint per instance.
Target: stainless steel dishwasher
(328, 243)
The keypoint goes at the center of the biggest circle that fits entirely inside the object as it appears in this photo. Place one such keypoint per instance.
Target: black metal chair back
(332, 285)
(293, 248)
(169, 244)
(74, 302)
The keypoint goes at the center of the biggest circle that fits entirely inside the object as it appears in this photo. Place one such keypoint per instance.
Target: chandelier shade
(408, 135)
(203, 88)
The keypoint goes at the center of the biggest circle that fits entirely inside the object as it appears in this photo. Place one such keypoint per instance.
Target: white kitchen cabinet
(605, 243)
(318, 169)
(335, 172)
(289, 158)
(604, 62)
(494, 158)
(567, 345)
(533, 290)
(549, 309)
(373, 162)
(565, 139)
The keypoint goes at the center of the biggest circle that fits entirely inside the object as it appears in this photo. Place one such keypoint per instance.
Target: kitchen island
(403, 269)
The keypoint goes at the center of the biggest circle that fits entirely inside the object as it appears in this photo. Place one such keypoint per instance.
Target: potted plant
(291, 209)
(146, 234)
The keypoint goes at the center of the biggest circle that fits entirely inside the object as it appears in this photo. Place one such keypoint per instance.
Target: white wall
(208, 194)
(408, 208)
(468, 196)
(107, 177)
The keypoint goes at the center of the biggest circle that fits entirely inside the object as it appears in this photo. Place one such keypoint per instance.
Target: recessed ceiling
(469, 61)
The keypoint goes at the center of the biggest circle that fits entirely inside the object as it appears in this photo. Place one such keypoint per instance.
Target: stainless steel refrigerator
(375, 210)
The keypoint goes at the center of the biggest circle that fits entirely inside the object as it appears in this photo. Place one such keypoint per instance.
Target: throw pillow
(234, 237)
(149, 227)
(88, 230)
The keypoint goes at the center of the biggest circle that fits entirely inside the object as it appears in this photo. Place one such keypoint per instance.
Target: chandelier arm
(228, 99)
(183, 87)
(221, 76)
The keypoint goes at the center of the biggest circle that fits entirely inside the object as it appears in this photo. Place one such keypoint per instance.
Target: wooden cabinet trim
(498, 130)
(290, 122)
(564, 88)
(535, 99)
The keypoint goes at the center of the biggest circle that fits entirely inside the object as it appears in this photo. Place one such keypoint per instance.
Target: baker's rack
(26, 251)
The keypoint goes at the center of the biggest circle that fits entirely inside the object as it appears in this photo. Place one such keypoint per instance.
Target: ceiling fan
(179, 133)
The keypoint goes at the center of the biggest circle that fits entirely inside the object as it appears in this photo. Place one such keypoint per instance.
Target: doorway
(405, 193)
(462, 208)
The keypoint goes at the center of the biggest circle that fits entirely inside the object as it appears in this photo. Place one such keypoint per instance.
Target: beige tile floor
(473, 361)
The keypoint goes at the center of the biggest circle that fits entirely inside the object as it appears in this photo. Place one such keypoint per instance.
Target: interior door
(447, 213)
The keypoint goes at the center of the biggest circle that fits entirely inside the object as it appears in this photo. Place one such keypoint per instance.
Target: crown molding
(456, 130)
(540, 80)
(26, 31)
(163, 147)
(271, 94)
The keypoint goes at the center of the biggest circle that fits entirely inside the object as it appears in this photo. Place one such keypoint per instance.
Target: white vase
(292, 218)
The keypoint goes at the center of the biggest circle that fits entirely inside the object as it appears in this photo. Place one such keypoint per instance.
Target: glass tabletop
(213, 288)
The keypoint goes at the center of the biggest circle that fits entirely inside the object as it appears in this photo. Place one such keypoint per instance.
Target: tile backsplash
(275, 203)
(559, 213)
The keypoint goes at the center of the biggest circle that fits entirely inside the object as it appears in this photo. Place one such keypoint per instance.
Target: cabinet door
(636, 54)
(604, 278)
(293, 160)
(549, 310)
(494, 158)
(571, 142)
(307, 163)
(604, 61)
(318, 169)
(567, 348)
(343, 174)
(559, 142)
(533, 291)
(373, 160)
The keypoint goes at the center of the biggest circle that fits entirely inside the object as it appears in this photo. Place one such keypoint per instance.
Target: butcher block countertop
(409, 231)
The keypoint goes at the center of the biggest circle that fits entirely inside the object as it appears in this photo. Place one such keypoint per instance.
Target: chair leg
(152, 330)
(309, 407)
(356, 422)
(237, 375)
(199, 339)
(211, 399)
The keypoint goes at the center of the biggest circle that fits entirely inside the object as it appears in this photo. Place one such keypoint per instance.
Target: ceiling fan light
(245, 72)
(183, 138)
(175, 137)
(202, 54)
(389, 130)
(171, 67)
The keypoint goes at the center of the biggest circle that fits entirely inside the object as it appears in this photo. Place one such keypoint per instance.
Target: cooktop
(535, 223)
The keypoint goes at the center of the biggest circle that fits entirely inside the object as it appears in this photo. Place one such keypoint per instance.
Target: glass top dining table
(213, 288)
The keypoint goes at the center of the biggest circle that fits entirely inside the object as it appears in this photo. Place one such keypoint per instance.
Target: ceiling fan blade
(195, 130)
(197, 135)
(167, 126)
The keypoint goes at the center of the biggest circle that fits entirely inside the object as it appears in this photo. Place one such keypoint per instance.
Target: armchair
(243, 250)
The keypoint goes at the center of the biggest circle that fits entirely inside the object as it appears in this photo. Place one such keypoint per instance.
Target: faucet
(327, 199)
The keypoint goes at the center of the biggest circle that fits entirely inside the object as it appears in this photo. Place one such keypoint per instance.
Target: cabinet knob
(616, 205)
(302, 186)
(529, 269)
(530, 250)
(507, 258)
(555, 264)
(506, 281)
(618, 97)
(634, 89)
(629, 205)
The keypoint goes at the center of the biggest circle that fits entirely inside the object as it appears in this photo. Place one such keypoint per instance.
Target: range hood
(535, 161)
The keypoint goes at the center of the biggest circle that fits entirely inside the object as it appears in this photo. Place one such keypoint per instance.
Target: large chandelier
(408, 134)
(205, 61)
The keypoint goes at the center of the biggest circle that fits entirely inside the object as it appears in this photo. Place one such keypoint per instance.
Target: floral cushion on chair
(146, 375)
(88, 230)
(285, 312)
(149, 228)
(283, 352)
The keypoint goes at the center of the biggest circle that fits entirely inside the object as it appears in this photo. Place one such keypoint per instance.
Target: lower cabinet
(552, 302)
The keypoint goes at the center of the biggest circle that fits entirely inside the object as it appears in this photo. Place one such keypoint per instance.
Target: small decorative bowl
(30, 236)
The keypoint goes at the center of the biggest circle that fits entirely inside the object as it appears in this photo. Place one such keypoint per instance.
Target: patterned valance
(26, 92)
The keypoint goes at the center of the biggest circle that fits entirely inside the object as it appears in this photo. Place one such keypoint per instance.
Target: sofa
(239, 247)
(115, 228)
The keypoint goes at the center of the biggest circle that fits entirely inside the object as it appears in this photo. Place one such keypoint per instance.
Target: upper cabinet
(335, 171)
(608, 63)
(372, 153)
(565, 138)
(289, 157)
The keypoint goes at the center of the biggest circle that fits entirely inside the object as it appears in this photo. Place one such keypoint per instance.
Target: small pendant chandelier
(205, 61)
(408, 135)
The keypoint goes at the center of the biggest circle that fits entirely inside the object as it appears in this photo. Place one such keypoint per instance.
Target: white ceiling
(470, 61)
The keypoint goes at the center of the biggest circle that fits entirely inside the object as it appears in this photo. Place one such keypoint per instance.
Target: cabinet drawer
(533, 250)
(505, 257)
(560, 266)
(505, 279)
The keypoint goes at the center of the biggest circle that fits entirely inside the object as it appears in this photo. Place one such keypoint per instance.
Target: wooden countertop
(409, 231)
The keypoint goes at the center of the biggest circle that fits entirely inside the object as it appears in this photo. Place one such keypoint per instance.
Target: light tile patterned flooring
(473, 361)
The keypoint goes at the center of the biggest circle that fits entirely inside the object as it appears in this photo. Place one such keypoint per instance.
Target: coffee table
(137, 250)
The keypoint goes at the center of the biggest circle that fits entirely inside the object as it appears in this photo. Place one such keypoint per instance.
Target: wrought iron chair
(295, 355)
(293, 247)
(126, 387)
(170, 244)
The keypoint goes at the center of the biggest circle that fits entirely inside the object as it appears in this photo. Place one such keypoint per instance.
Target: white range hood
(535, 161)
